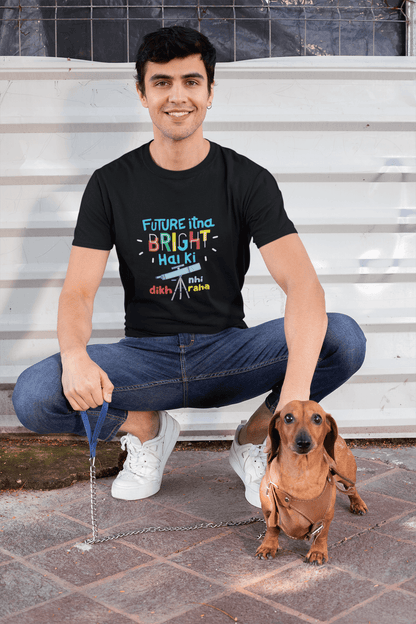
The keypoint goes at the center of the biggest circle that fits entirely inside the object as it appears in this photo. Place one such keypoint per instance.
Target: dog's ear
(273, 439)
(331, 436)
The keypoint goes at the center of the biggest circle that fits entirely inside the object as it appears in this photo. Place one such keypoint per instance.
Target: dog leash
(92, 442)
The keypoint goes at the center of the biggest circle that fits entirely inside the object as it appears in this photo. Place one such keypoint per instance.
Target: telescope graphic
(178, 272)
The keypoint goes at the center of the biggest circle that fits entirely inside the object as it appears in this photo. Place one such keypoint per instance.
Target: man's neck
(178, 155)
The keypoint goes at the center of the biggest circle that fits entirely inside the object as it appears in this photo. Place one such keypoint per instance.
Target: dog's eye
(289, 418)
(317, 419)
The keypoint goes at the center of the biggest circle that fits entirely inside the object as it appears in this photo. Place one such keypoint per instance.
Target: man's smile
(178, 113)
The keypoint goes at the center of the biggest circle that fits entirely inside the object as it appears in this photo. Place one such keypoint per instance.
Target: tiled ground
(208, 575)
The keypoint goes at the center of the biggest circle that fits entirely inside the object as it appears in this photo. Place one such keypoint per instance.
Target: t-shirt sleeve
(93, 229)
(265, 213)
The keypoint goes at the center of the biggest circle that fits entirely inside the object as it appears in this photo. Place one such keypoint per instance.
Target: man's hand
(284, 400)
(84, 383)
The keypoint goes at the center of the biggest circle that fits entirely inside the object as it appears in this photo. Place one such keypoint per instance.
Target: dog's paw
(358, 507)
(316, 558)
(266, 552)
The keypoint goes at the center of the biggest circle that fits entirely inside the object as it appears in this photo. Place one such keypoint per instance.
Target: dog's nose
(303, 441)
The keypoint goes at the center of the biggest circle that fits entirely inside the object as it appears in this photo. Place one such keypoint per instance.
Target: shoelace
(259, 458)
(142, 460)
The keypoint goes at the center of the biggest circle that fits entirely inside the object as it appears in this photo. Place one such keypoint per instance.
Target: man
(181, 212)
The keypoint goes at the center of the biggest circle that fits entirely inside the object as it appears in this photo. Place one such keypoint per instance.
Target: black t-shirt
(182, 237)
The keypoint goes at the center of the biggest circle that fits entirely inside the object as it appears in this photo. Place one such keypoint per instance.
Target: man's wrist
(73, 352)
(287, 397)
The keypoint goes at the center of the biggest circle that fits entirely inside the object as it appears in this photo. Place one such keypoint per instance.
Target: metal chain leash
(93, 489)
(97, 540)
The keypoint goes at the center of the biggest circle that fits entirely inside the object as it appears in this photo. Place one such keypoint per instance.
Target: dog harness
(300, 518)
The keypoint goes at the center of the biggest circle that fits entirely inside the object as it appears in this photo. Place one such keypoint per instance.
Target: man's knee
(35, 393)
(349, 338)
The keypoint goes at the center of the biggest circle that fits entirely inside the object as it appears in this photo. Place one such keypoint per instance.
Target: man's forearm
(305, 328)
(74, 322)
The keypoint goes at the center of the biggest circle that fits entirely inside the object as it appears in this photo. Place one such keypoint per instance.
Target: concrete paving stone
(111, 511)
(81, 567)
(319, 592)
(194, 491)
(231, 559)
(402, 528)
(395, 456)
(4, 557)
(377, 557)
(35, 533)
(183, 459)
(247, 610)
(155, 592)
(400, 484)
(72, 609)
(30, 501)
(366, 469)
(190, 489)
(380, 509)
(410, 585)
(214, 467)
(390, 607)
(340, 531)
(16, 595)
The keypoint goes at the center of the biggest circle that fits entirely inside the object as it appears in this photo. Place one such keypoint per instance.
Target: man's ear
(142, 97)
(211, 95)
(273, 438)
(331, 436)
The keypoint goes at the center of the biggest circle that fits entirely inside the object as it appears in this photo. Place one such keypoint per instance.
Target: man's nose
(177, 93)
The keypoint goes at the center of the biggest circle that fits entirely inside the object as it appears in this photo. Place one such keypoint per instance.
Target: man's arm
(305, 317)
(84, 383)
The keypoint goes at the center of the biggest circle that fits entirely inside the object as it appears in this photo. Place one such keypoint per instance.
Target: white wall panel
(338, 134)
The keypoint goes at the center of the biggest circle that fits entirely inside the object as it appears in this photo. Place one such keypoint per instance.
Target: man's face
(176, 94)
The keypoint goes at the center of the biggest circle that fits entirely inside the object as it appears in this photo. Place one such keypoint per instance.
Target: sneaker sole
(127, 493)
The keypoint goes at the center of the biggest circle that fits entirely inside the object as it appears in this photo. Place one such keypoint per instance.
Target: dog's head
(302, 426)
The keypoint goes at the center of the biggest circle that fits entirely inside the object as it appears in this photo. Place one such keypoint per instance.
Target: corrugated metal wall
(338, 133)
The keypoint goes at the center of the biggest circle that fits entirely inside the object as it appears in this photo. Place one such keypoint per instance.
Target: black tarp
(110, 30)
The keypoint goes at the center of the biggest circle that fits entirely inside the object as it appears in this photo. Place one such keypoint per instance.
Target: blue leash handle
(93, 436)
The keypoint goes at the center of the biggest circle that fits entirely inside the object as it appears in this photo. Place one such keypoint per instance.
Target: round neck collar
(181, 174)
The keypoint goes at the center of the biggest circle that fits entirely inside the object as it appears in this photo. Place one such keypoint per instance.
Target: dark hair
(166, 44)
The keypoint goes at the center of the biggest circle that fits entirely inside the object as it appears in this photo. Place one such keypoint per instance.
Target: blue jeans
(186, 370)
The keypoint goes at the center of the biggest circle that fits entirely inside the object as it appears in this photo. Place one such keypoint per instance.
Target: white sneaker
(143, 469)
(249, 462)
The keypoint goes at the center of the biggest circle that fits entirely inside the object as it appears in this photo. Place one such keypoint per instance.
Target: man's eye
(192, 82)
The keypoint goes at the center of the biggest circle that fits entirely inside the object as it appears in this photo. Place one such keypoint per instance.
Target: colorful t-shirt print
(177, 248)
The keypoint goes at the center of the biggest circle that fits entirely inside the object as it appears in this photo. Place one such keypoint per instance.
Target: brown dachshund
(306, 460)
